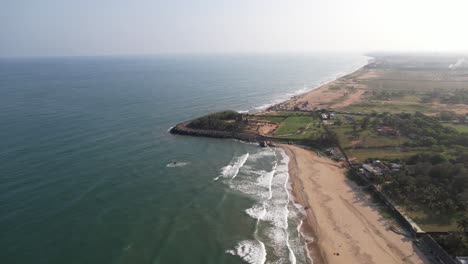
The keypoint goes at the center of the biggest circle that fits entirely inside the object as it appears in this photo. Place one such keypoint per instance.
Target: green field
(288, 114)
(298, 127)
(433, 223)
(367, 137)
(459, 128)
(271, 118)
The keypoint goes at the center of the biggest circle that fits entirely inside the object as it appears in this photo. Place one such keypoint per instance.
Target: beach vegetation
(225, 120)
(269, 118)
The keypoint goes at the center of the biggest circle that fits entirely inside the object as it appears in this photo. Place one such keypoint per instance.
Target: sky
(112, 27)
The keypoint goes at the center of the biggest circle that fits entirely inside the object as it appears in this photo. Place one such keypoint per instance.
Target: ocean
(90, 174)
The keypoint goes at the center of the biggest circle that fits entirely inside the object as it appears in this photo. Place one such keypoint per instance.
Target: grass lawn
(275, 119)
(295, 124)
(459, 128)
(433, 223)
(285, 113)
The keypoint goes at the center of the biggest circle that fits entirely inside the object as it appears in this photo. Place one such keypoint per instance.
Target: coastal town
(397, 129)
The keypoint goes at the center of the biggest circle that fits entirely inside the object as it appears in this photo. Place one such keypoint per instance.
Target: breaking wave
(232, 169)
(251, 251)
(276, 229)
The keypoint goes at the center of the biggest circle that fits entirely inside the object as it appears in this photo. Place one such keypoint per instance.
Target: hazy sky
(89, 27)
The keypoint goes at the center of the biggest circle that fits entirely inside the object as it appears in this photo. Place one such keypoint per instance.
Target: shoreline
(346, 227)
(307, 226)
(182, 128)
(303, 91)
(315, 89)
(334, 240)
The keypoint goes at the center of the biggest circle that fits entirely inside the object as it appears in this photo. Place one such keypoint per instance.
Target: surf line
(242, 160)
(232, 169)
(256, 231)
(307, 241)
(292, 257)
(270, 195)
(264, 209)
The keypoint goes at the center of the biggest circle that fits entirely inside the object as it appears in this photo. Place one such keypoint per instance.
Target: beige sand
(346, 226)
(335, 94)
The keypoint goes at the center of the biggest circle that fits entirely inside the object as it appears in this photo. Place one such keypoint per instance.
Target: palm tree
(462, 223)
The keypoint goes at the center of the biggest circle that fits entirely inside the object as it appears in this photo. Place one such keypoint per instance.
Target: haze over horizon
(56, 28)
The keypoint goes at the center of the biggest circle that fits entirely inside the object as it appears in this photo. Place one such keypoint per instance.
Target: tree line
(225, 120)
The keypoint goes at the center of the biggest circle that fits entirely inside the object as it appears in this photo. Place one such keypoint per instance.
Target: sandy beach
(346, 226)
(336, 94)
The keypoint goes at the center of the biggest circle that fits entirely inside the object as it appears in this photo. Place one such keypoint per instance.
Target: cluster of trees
(455, 243)
(431, 182)
(452, 116)
(226, 120)
(459, 96)
(424, 130)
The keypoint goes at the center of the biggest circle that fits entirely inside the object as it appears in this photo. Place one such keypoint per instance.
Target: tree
(365, 122)
(462, 223)
(354, 126)
(447, 115)
(428, 141)
(333, 138)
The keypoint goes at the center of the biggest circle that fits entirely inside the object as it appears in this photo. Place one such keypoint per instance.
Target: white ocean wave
(277, 216)
(257, 211)
(232, 169)
(262, 154)
(251, 251)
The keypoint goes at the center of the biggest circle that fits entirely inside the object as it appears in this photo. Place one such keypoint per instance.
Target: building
(371, 171)
(395, 166)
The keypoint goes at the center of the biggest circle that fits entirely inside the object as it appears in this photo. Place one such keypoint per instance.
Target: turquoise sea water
(86, 172)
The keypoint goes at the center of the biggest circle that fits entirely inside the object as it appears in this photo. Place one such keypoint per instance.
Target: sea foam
(251, 251)
(232, 169)
(271, 210)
